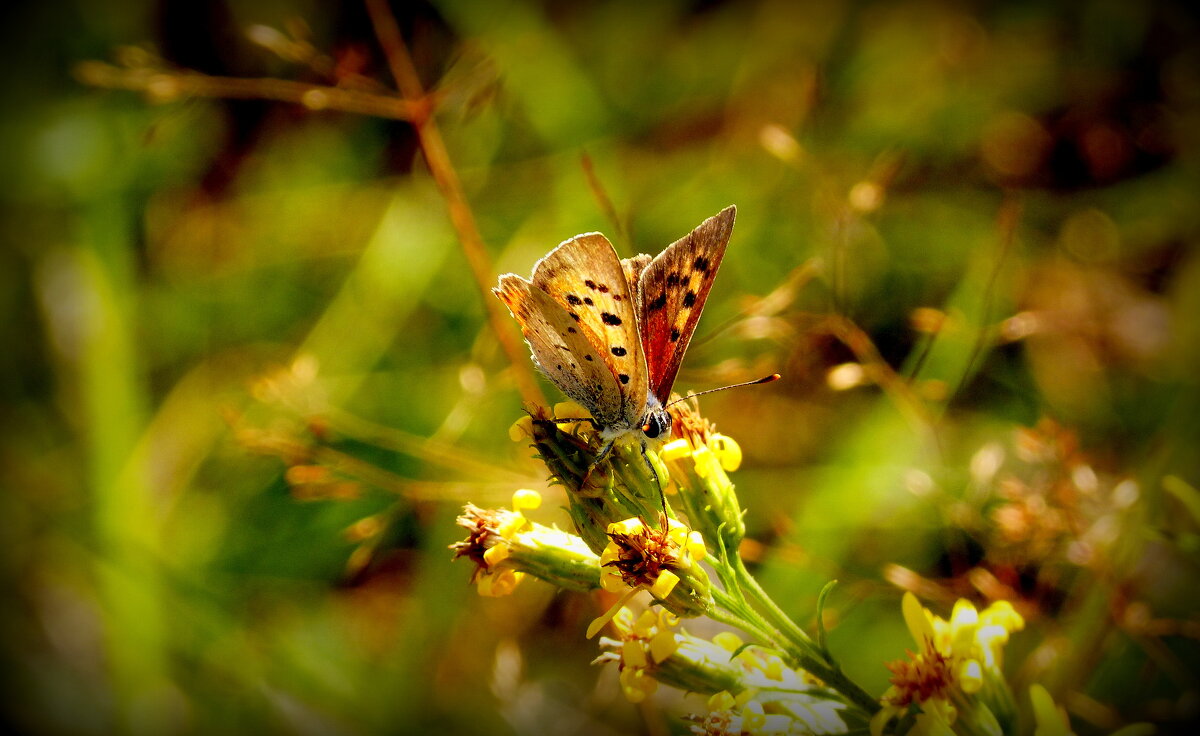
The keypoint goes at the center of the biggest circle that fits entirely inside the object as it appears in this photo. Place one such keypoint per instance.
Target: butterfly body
(610, 332)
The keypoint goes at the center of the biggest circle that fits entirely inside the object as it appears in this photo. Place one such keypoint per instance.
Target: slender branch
(801, 652)
(853, 337)
(163, 85)
(444, 174)
(602, 199)
(1007, 220)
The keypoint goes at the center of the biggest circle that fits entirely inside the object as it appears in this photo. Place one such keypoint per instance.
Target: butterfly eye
(656, 424)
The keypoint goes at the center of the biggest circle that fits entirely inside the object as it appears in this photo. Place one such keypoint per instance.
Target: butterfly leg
(657, 481)
(605, 451)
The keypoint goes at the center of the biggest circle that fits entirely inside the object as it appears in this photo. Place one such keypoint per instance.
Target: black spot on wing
(674, 335)
(590, 284)
(700, 264)
(588, 301)
(574, 316)
(689, 299)
(619, 351)
(658, 303)
(623, 378)
(574, 300)
(587, 358)
(602, 288)
(610, 319)
(571, 330)
(673, 278)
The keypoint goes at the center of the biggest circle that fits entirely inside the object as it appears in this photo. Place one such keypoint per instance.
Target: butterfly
(610, 333)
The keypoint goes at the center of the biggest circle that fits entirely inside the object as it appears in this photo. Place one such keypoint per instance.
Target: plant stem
(799, 645)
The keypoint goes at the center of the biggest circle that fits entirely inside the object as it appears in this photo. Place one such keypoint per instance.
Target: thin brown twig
(444, 174)
(168, 85)
(602, 198)
(859, 343)
(1007, 221)
(353, 468)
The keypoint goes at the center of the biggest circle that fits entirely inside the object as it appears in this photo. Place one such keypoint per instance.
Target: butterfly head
(656, 425)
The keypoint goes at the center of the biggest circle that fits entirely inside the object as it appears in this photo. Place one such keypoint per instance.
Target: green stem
(799, 645)
(728, 614)
(774, 613)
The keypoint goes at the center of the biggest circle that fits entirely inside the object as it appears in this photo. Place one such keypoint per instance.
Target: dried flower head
(687, 423)
(505, 546)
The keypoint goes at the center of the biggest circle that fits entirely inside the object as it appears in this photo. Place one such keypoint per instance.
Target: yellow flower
(645, 644)
(1051, 719)
(697, 463)
(970, 636)
(955, 657)
(639, 557)
(505, 546)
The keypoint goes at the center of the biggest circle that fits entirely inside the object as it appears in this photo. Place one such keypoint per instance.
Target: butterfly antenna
(764, 379)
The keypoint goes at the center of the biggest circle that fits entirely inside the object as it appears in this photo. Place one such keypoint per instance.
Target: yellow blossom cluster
(955, 658)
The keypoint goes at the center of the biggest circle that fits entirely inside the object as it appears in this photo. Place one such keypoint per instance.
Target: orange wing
(671, 293)
(594, 319)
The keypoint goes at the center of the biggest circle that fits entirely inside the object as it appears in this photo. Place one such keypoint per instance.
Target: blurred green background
(248, 378)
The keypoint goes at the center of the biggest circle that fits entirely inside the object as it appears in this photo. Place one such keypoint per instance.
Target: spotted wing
(671, 293)
(633, 268)
(560, 349)
(584, 276)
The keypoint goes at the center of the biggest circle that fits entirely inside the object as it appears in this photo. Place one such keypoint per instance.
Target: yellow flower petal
(728, 452)
(627, 526)
(746, 696)
(645, 624)
(499, 584)
(917, 620)
(570, 410)
(773, 669)
(704, 459)
(728, 641)
(1002, 613)
(521, 429)
(511, 525)
(663, 645)
(636, 684)
(674, 450)
(611, 580)
(526, 499)
(496, 554)
(752, 717)
(599, 623)
(666, 582)
(632, 653)
(970, 676)
(721, 701)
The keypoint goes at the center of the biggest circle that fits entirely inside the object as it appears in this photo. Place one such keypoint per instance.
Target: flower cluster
(956, 672)
(751, 689)
(505, 546)
(771, 677)
(630, 543)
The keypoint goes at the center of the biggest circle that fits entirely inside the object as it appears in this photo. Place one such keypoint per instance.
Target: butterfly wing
(671, 293)
(584, 275)
(584, 279)
(560, 349)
